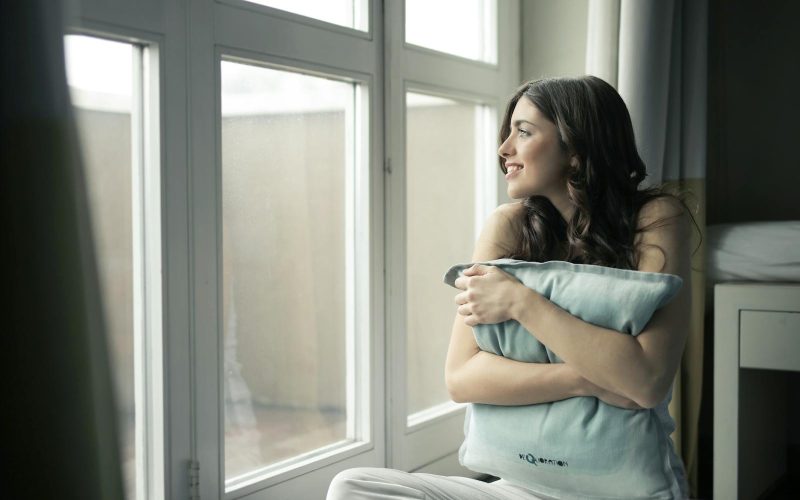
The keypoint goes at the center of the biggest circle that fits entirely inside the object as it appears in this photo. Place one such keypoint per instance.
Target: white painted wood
(179, 429)
(138, 201)
(770, 340)
(733, 387)
(361, 19)
(204, 255)
(141, 15)
(260, 33)
(726, 397)
(153, 273)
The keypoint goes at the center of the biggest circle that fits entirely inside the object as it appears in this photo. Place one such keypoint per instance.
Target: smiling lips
(512, 169)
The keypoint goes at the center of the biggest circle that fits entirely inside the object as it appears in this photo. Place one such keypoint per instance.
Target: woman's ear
(574, 161)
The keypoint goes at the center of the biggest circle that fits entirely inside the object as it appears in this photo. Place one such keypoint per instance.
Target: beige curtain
(654, 52)
(59, 420)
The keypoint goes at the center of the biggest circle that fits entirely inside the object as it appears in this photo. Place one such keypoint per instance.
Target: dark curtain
(59, 420)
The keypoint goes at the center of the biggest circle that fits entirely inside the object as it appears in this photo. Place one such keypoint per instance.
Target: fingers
(471, 320)
(476, 270)
(463, 282)
(465, 309)
(472, 270)
(462, 299)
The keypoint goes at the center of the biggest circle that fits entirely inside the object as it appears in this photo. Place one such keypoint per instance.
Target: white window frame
(260, 34)
(359, 375)
(166, 384)
(185, 42)
(147, 251)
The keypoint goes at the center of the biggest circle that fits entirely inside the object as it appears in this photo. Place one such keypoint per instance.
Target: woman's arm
(487, 378)
(475, 376)
(640, 368)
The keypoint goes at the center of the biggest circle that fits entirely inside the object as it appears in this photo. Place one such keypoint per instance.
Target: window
(107, 88)
(295, 177)
(464, 28)
(443, 139)
(348, 13)
(288, 192)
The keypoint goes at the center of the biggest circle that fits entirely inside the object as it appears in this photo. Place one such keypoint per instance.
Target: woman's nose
(505, 148)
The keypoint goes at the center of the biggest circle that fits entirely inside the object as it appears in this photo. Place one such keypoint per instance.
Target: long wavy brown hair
(594, 124)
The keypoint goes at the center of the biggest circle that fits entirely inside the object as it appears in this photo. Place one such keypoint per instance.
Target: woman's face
(535, 163)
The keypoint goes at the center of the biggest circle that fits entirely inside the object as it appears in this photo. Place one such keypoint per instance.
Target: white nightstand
(756, 340)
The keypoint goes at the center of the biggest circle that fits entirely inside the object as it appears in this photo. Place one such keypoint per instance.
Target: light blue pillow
(579, 447)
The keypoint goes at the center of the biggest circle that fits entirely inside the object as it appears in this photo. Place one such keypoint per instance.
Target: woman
(568, 152)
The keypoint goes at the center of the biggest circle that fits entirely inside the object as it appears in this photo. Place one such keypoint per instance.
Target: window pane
(349, 13)
(100, 77)
(465, 28)
(286, 151)
(441, 155)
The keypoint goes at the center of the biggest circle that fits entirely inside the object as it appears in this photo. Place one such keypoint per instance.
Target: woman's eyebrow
(517, 123)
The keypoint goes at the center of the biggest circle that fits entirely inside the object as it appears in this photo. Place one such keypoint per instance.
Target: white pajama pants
(364, 483)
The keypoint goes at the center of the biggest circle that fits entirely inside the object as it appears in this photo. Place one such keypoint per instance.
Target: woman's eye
(523, 132)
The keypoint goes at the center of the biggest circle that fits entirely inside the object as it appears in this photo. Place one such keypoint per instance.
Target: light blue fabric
(578, 447)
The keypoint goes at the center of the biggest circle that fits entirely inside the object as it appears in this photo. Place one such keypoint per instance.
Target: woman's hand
(609, 397)
(490, 295)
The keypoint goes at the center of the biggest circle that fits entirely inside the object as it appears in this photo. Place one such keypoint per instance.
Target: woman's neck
(563, 204)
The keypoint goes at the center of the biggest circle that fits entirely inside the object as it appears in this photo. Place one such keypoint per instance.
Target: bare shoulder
(512, 210)
(506, 217)
(663, 241)
(666, 209)
(500, 234)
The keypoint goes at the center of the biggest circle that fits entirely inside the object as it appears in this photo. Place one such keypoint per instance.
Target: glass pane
(100, 77)
(349, 13)
(465, 28)
(286, 148)
(441, 154)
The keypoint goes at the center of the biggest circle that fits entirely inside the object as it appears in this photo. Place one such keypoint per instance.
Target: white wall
(554, 38)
